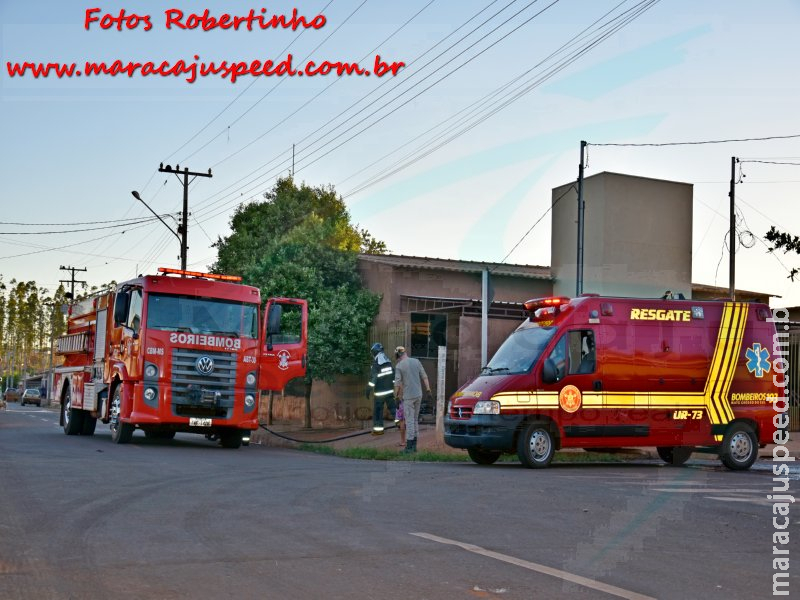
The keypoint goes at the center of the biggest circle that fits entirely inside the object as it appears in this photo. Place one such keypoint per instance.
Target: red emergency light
(552, 301)
(545, 310)
(167, 271)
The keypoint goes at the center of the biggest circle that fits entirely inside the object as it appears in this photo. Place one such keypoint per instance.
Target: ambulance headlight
(150, 394)
(250, 379)
(486, 407)
(151, 371)
(249, 401)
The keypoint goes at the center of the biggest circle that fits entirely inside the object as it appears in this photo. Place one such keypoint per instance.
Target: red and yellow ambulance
(600, 372)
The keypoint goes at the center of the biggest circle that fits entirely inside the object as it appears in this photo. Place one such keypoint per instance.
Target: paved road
(84, 518)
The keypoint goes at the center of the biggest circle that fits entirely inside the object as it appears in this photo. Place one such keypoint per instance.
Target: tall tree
(300, 242)
(786, 242)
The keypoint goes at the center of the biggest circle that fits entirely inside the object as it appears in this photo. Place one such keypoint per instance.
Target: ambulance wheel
(121, 433)
(231, 439)
(483, 457)
(739, 447)
(675, 455)
(72, 418)
(535, 446)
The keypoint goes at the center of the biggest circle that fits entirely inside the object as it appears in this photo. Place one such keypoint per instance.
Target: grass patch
(429, 456)
(384, 454)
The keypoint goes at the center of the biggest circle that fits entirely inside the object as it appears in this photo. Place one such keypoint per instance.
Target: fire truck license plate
(198, 422)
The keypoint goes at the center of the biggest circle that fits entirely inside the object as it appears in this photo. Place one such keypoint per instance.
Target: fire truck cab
(177, 352)
(600, 372)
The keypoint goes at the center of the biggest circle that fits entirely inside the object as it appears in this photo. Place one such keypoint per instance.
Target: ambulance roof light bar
(168, 271)
(552, 301)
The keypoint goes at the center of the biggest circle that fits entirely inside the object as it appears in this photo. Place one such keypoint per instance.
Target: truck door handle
(598, 385)
(303, 361)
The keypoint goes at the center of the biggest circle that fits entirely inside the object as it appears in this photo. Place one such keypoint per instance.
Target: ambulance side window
(559, 357)
(582, 355)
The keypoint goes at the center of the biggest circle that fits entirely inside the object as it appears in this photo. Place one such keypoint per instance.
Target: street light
(175, 233)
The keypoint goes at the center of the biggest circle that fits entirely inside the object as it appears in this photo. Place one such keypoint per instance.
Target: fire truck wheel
(231, 439)
(89, 424)
(483, 457)
(674, 455)
(121, 433)
(739, 447)
(535, 446)
(72, 418)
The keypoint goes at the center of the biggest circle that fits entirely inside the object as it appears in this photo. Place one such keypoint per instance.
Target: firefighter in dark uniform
(381, 384)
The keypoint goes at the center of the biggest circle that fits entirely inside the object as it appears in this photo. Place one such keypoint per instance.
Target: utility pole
(71, 281)
(581, 207)
(732, 233)
(183, 229)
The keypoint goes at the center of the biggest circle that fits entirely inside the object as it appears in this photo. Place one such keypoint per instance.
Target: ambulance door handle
(598, 385)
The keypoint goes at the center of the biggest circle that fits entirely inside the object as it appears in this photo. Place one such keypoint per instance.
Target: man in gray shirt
(409, 380)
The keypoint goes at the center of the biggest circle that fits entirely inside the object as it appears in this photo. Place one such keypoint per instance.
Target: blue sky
(73, 149)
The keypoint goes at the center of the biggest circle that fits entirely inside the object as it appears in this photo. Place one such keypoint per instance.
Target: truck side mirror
(274, 319)
(549, 371)
(273, 323)
(121, 308)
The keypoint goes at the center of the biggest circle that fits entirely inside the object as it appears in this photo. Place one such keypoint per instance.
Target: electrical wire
(365, 97)
(242, 93)
(148, 220)
(549, 208)
(477, 118)
(272, 89)
(700, 142)
(770, 162)
(127, 221)
(395, 109)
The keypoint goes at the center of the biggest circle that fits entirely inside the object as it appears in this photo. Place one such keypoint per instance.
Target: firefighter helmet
(377, 348)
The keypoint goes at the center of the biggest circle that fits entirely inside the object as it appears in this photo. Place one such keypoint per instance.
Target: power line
(771, 162)
(696, 143)
(77, 230)
(549, 208)
(62, 247)
(232, 102)
(322, 91)
(523, 88)
(395, 109)
(454, 70)
(127, 221)
(272, 89)
(357, 102)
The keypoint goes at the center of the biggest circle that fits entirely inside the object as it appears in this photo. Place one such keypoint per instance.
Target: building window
(428, 332)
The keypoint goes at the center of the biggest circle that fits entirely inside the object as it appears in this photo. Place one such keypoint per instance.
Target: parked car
(31, 396)
(11, 395)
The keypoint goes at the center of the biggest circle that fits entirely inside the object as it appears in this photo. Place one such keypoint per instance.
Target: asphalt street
(81, 517)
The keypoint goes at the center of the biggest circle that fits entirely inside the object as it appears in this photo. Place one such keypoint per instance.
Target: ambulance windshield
(202, 315)
(520, 351)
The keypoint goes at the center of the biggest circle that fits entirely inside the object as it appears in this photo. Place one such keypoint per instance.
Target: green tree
(786, 242)
(299, 242)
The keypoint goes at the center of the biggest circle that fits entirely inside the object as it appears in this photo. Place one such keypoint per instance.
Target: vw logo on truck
(204, 365)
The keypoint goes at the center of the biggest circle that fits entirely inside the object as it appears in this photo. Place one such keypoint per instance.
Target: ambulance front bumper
(487, 432)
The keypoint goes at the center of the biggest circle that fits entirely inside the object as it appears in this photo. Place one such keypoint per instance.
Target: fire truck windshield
(520, 351)
(202, 315)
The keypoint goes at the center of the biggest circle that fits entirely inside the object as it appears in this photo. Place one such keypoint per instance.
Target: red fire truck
(597, 372)
(177, 352)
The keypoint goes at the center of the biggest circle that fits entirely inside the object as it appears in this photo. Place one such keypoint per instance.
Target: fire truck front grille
(203, 394)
